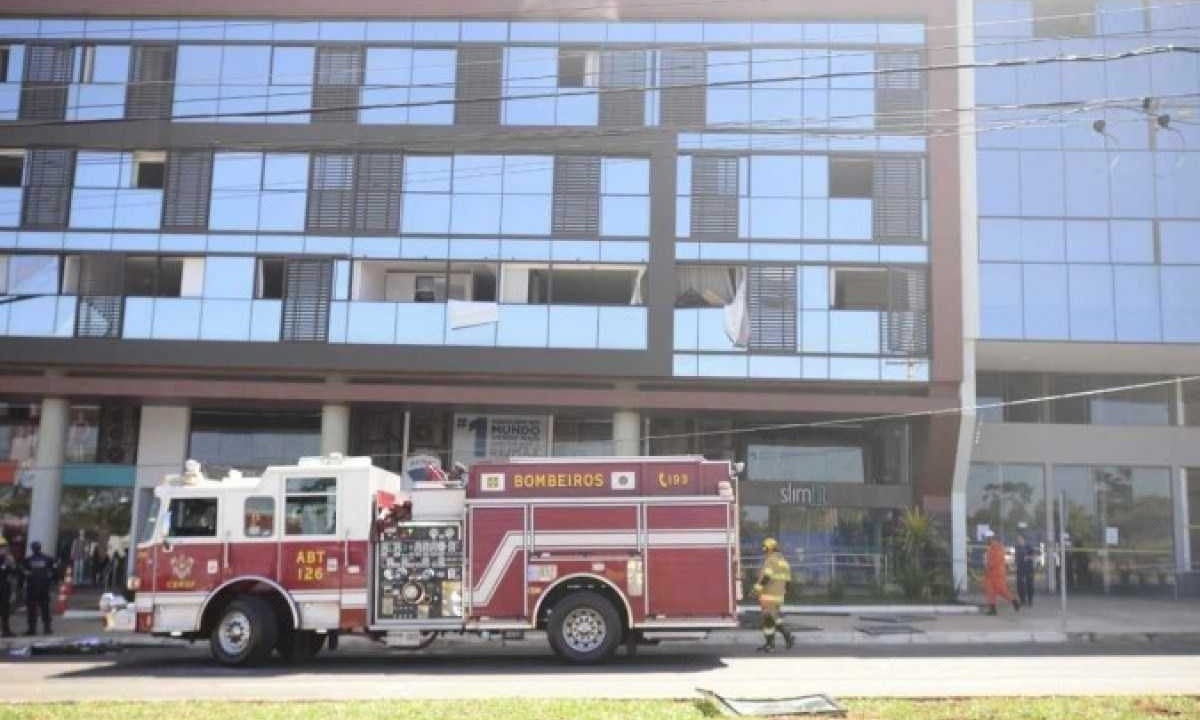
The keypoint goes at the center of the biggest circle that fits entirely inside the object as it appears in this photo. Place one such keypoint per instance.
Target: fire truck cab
(595, 551)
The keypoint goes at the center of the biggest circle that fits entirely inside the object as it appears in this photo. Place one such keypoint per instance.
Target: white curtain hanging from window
(737, 319)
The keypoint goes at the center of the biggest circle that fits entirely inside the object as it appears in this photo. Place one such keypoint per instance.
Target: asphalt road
(528, 670)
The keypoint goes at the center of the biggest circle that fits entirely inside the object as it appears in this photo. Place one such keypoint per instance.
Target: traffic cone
(64, 591)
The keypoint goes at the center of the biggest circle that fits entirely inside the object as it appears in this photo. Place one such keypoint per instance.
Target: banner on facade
(477, 437)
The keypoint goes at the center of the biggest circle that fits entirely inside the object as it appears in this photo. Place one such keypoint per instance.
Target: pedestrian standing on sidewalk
(8, 571)
(995, 576)
(1025, 556)
(771, 589)
(79, 548)
(40, 572)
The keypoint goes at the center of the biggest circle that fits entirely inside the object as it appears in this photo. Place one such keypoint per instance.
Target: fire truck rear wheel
(584, 628)
(245, 632)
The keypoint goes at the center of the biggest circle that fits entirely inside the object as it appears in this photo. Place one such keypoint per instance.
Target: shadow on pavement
(194, 662)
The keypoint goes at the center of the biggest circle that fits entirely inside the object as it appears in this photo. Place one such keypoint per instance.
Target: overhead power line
(733, 84)
(1064, 110)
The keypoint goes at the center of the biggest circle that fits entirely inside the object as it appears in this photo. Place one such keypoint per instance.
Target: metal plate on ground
(885, 629)
(801, 705)
(897, 619)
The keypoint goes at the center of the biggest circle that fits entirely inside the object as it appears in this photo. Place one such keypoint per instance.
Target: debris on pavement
(801, 705)
(885, 629)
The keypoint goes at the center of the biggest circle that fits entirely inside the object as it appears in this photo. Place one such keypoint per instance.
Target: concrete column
(969, 238)
(627, 433)
(335, 429)
(162, 449)
(48, 474)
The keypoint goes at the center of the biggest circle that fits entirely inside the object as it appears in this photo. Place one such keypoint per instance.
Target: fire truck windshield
(147, 533)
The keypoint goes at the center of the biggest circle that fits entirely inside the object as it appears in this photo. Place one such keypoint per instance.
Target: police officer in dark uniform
(40, 574)
(8, 571)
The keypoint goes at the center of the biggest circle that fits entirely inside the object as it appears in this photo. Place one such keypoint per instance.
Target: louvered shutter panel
(683, 88)
(307, 288)
(477, 85)
(576, 208)
(905, 328)
(897, 204)
(187, 190)
(623, 88)
(47, 75)
(331, 193)
(714, 197)
(336, 84)
(47, 192)
(99, 310)
(772, 307)
(153, 82)
(900, 92)
(377, 192)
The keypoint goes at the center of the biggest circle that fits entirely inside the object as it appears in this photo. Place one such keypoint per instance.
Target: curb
(965, 609)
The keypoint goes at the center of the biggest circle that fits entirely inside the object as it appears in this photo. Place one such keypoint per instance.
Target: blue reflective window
(854, 332)
(816, 176)
(427, 173)
(1044, 295)
(1178, 177)
(850, 219)
(1181, 304)
(32, 275)
(851, 108)
(777, 176)
(1000, 303)
(475, 214)
(1042, 241)
(526, 215)
(999, 240)
(425, 213)
(237, 171)
(1087, 241)
(1135, 290)
(478, 173)
(99, 169)
(1132, 183)
(999, 183)
(728, 106)
(1132, 241)
(1042, 183)
(285, 171)
(1082, 80)
(1091, 302)
(529, 174)
(625, 216)
(852, 69)
(245, 65)
(625, 176)
(1180, 242)
(229, 277)
(292, 66)
(1087, 184)
(776, 218)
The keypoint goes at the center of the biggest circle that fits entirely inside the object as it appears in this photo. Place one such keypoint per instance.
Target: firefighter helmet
(770, 545)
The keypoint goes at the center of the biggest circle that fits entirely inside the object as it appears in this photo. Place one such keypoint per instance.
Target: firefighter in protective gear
(771, 588)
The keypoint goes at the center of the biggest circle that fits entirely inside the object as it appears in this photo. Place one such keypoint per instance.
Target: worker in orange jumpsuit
(995, 576)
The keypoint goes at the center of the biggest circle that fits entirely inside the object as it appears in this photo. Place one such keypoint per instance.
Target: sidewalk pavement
(1089, 619)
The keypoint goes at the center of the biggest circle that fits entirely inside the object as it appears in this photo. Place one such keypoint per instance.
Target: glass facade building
(1088, 223)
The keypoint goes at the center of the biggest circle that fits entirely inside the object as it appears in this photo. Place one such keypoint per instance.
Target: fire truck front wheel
(584, 628)
(245, 632)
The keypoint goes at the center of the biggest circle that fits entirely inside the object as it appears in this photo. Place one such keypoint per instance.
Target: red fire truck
(597, 552)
